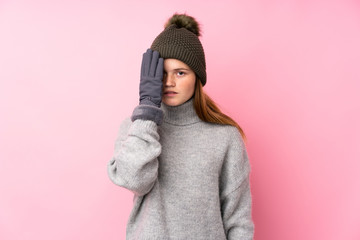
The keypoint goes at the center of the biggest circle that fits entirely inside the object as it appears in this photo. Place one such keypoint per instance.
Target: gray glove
(151, 78)
(150, 90)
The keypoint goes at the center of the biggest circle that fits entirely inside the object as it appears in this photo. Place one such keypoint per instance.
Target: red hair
(208, 111)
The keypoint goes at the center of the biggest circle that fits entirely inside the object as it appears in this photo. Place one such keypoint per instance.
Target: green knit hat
(180, 40)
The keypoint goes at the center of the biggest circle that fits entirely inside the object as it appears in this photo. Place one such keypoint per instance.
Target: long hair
(208, 111)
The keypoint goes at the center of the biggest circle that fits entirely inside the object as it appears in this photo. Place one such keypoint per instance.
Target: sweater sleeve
(235, 194)
(134, 164)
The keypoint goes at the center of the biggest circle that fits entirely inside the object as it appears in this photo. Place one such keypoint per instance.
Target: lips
(170, 93)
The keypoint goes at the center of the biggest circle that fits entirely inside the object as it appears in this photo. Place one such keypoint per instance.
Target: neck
(183, 114)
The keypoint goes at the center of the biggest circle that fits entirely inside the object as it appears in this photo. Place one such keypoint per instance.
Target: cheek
(189, 85)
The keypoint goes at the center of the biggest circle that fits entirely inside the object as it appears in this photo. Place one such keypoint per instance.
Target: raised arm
(134, 164)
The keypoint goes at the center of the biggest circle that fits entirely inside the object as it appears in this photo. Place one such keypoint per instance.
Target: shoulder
(235, 165)
(227, 133)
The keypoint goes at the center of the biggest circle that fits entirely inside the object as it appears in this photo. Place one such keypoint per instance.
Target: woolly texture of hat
(180, 40)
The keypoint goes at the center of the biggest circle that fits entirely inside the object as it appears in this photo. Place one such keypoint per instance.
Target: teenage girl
(184, 160)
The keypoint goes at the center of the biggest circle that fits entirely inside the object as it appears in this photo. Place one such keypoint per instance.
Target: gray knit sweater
(190, 178)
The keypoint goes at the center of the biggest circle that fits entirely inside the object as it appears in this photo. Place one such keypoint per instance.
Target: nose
(169, 80)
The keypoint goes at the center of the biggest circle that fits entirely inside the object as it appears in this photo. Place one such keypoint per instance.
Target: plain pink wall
(287, 71)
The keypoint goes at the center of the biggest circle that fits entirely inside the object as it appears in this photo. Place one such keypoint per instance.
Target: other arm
(236, 200)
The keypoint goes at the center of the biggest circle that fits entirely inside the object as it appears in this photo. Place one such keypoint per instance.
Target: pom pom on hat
(184, 21)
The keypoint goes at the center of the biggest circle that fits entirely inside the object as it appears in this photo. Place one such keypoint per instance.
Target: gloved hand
(151, 78)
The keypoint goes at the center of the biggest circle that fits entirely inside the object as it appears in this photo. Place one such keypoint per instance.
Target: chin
(172, 103)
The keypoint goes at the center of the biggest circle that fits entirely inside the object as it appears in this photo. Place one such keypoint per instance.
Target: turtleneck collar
(180, 115)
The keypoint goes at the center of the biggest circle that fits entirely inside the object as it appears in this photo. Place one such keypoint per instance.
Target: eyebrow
(181, 69)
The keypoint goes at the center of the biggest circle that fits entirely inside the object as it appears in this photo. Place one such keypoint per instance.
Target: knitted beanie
(180, 40)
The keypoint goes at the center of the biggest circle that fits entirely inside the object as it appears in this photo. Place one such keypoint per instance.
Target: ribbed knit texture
(190, 178)
(181, 44)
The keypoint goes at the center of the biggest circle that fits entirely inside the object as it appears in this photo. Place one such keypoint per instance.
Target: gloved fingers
(160, 68)
(147, 61)
(154, 63)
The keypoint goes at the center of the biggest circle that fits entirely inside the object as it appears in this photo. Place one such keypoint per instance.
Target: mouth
(170, 94)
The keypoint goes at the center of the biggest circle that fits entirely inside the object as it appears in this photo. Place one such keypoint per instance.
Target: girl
(184, 160)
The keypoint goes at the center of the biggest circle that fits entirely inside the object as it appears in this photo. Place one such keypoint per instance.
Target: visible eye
(181, 73)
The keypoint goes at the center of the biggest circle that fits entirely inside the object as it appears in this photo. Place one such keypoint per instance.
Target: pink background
(287, 71)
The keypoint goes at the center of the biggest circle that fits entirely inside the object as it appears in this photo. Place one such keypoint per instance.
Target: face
(178, 82)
